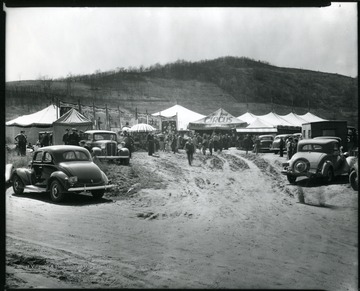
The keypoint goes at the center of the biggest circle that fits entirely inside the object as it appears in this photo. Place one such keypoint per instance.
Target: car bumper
(308, 174)
(112, 157)
(89, 188)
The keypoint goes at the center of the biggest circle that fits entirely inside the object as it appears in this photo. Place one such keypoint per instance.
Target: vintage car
(105, 146)
(60, 169)
(318, 158)
(265, 142)
(354, 176)
(275, 146)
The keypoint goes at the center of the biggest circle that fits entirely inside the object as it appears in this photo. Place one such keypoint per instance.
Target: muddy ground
(229, 221)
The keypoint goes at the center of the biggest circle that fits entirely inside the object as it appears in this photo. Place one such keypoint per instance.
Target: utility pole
(119, 117)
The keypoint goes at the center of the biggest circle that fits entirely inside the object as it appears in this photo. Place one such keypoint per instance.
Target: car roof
(282, 135)
(61, 148)
(266, 135)
(317, 141)
(99, 131)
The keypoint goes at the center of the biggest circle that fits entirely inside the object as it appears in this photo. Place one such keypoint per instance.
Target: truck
(329, 128)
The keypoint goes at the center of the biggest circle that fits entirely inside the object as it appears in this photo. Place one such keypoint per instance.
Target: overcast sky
(54, 42)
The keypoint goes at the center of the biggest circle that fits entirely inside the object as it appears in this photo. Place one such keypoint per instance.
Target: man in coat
(21, 141)
(190, 149)
(65, 138)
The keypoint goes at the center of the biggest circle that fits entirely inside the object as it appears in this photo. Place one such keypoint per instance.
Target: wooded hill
(235, 84)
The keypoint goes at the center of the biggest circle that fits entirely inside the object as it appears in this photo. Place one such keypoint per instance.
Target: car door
(48, 167)
(37, 166)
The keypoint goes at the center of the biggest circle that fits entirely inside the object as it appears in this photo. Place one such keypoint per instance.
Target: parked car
(61, 169)
(318, 158)
(354, 176)
(275, 147)
(265, 142)
(105, 146)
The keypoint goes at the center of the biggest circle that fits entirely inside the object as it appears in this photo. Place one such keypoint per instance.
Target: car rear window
(75, 156)
(311, 148)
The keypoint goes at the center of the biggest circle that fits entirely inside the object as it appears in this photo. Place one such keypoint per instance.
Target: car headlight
(103, 146)
(119, 146)
(73, 179)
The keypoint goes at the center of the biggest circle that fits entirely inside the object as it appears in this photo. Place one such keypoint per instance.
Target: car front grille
(111, 149)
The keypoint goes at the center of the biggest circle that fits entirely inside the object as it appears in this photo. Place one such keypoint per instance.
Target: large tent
(220, 119)
(258, 127)
(33, 123)
(294, 119)
(309, 117)
(184, 115)
(70, 119)
(248, 117)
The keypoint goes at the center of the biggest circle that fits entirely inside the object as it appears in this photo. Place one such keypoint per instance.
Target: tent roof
(294, 119)
(309, 117)
(220, 119)
(275, 120)
(257, 130)
(44, 117)
(247, 117)
(184, 115)
(73, 117)
(258, 123)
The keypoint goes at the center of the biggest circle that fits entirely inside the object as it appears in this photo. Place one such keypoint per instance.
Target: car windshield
(73, 155)
(311, 148)
(104, 136)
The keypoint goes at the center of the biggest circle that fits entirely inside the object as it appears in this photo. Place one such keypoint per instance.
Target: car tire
(353, 178)
(126, 162)
(18, 185)
(329, 175)
(276, 152)
(98, 194)
(56, 191)
(291, 179)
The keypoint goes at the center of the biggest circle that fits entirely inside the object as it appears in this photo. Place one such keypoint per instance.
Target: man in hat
(74, 137)
(66, 135)
(21, 141)
(190, 149)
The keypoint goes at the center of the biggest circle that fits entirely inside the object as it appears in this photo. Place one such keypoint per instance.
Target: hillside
(235, 84)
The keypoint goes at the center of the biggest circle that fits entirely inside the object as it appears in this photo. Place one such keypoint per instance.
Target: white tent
(294, 119)
(33, 123)
(258, 126)
(309, 117)
(184, 115)
(274, 119)
(247, 117)
(70, 119)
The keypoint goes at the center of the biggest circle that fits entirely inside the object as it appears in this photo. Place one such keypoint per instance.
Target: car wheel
(98, 194)
(291, 179)
(275, 152)
(354, 182)
(329, 175)
(56, 191)
(18, 185)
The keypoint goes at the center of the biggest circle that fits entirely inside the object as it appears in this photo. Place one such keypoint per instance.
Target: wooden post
(119, 117)
(106, 117)
(94, 123)
(79, 105)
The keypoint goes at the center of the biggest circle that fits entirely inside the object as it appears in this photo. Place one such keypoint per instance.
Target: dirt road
(229, 221)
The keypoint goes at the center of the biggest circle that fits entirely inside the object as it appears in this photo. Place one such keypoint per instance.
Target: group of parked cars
(63, 169)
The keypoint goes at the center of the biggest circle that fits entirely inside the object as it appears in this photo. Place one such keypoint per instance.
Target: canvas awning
(220, 119)
(258, 126)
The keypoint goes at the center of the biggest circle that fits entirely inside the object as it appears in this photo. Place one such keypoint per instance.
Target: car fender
(60, 176)
(325, 167)
(105, 178)
(350, 162)
(123, 152)
(24, 174)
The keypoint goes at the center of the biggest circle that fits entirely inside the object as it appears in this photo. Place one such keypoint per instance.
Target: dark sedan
(61, 169)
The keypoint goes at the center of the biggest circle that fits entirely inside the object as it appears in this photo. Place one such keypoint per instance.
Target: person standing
(216, 142)
(289, 148)
(45, 141)
(128, 143)
(247, 143)
(281, 147)
(190, 148)
(205, 144)
(66, 135)
(257, 145)
(21, 141)
(211, 145)
(74, 137)
(294, 146)
(150, 141)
